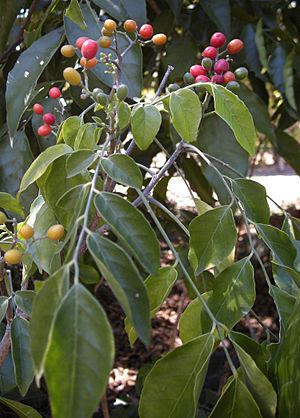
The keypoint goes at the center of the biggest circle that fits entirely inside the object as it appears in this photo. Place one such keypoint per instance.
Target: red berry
(210, 52)
(196, 70)
(146, 31)
(44, 130)
(218, 39)
(221, 66)
(228, 76)
(202, 78)
(89, 49)
(38, 109)
(235, 46)
(218, 79)
(49, 118)
(80, 41)
(54, 93)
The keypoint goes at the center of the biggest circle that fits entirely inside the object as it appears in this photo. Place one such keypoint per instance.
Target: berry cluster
(215, 69)
(26, 232)
(89, 47)
(48, 118)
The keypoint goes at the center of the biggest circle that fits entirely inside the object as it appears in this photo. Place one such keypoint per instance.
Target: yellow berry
(67, 51)
(26, 231)
(3, 218)
(104, 41)
(72, 76)
(106, 32)
(110, 25)
(12, 256)
(56, 232)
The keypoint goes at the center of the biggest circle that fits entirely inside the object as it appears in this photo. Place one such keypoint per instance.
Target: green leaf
(186, 112)
(131, 226)
(7, 374)
(259, 386)
(22, 410)
(288, 77)
(285, 304)
(193, 322)
(13, 164)
(158, 287)
(236, 402)
(225, 148)
(87, 137)
(124, 115)
(123, 169)
(24, 300)
(44, 252)
(4, 301)
(79, 161)
(71, 205)
(234, 112)
(44, 310)
(219, 12)
(145, 124)
(253, 348)
(114, 8)
(279, 243)
(88, 274)
(250, 53)
(125, 281)
(260, 43)
(276, 66)
(23, 78)
(74, 13)
(41, 163)
(286, 278)
(259, 111)
(232, 296)
(253, 197)
(11, 204)
(81, 347)
(70, 129)
(131, 63)
(233, 293)
(288, 370)
(213, 236)
(172, 387)
(21, 354)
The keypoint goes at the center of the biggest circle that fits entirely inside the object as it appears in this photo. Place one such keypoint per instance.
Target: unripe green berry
(173, 87)
(207, 63)
(102, 99)
(241, 73)
(122, 92)
(3, 218)
(188, 78)
(95, 92)
(233, 86)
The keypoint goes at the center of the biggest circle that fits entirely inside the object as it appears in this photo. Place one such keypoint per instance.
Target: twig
(104, 407)
(164, 80)
(154, 6)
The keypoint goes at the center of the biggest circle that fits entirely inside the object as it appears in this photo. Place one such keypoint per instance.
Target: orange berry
(130, 25)
(106, 32)
(13, 256)
(56, 232)
(88, 63)
(159, 39)
(26, 231)
(67, 51)
(110, 25)
(104, 42)
(235, 46)
(72, 76)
